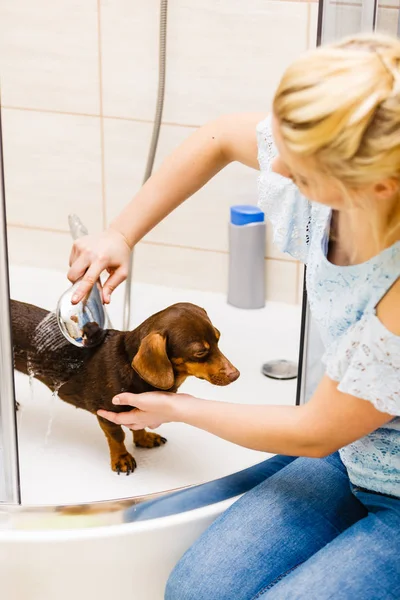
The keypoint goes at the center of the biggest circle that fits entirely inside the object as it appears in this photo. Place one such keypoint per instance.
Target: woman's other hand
(150, 409)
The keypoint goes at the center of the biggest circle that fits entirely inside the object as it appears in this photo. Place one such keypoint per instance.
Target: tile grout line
(144, 242)
(102, 150)
(103, 116)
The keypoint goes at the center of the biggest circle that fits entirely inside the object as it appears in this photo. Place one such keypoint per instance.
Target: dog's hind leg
(121, 460)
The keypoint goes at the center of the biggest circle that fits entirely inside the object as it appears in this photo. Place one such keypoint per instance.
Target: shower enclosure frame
(311, 348)
(153, 505)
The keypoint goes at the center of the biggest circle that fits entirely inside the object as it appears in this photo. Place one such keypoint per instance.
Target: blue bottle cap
(245, 214)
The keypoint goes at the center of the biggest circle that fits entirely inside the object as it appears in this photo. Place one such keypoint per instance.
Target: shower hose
(153, 143)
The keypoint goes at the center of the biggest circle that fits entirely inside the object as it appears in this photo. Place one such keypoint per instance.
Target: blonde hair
(341, 104)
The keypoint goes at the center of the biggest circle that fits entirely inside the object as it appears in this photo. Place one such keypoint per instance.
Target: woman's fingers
(127, 399)
(150, 409)
(113, 282)
(88, 280)
(78, 267)
(93, 254)
(126, 418)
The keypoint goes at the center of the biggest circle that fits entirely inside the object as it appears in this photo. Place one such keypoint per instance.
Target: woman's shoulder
(388, 309)
(365, 361)
(295, 220)
(266, 147)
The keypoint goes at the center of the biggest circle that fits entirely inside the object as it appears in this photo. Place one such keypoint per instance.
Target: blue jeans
(303, 533)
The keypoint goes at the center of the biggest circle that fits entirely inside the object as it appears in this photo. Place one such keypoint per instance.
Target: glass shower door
(9, 468)
(336, 19)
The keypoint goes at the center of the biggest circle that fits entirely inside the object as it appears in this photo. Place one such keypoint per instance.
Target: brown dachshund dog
(159, 355)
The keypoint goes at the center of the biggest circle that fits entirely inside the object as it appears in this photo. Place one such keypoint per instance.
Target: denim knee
(182, 586)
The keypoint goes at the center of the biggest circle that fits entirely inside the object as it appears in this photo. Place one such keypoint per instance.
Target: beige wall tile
(36, 248)
(281, 281)
(180, 267)
(126, 146)
(229, 56)
(200, 269)
(49, 55)
(220, 56)
(130, 41)
(52, 168)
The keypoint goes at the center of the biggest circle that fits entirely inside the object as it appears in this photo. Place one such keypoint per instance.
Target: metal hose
(153, 143)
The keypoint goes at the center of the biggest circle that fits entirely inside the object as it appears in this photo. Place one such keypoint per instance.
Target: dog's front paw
(146, 439)
(123, 463)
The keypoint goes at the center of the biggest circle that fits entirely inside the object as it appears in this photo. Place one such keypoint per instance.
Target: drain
(280, 369)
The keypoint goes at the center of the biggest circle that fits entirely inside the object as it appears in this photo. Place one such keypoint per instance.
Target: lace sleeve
(366, 363)
(288, 211)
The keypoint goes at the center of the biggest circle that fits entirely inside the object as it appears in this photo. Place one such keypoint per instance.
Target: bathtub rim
(115, 530)
(140, 512)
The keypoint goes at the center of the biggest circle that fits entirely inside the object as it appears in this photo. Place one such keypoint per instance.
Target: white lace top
(360, 353)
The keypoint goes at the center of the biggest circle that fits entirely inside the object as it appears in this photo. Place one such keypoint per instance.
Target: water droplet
(54, 397)
(31, 373)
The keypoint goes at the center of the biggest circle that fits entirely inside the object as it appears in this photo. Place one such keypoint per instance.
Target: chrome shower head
(82, 324)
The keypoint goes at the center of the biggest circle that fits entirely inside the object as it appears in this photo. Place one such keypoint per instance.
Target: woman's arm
(329, 421)
(207, 151)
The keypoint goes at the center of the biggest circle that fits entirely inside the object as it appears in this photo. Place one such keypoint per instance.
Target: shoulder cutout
(388, 309)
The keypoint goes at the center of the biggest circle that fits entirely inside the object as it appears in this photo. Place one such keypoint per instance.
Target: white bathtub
(67, 463)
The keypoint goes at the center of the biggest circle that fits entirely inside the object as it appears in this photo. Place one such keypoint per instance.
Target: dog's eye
(201, 354)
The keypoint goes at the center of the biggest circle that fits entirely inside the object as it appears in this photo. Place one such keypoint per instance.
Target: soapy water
(48, 336)
(31, 374)
(47, 341)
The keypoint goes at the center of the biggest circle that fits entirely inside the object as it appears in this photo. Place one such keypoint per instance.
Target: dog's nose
(232, 374)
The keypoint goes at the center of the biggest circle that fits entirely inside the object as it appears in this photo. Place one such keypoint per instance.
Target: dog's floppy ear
(152, 363)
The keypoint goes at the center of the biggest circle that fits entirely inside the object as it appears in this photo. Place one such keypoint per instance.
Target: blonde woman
(326, 522)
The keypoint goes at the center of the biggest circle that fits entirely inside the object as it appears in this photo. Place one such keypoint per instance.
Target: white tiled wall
(79, 82)
(49, 55)
(52, 163)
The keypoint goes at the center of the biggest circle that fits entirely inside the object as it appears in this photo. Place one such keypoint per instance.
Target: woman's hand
(329, 421)
(151, 409)
(93, 254)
